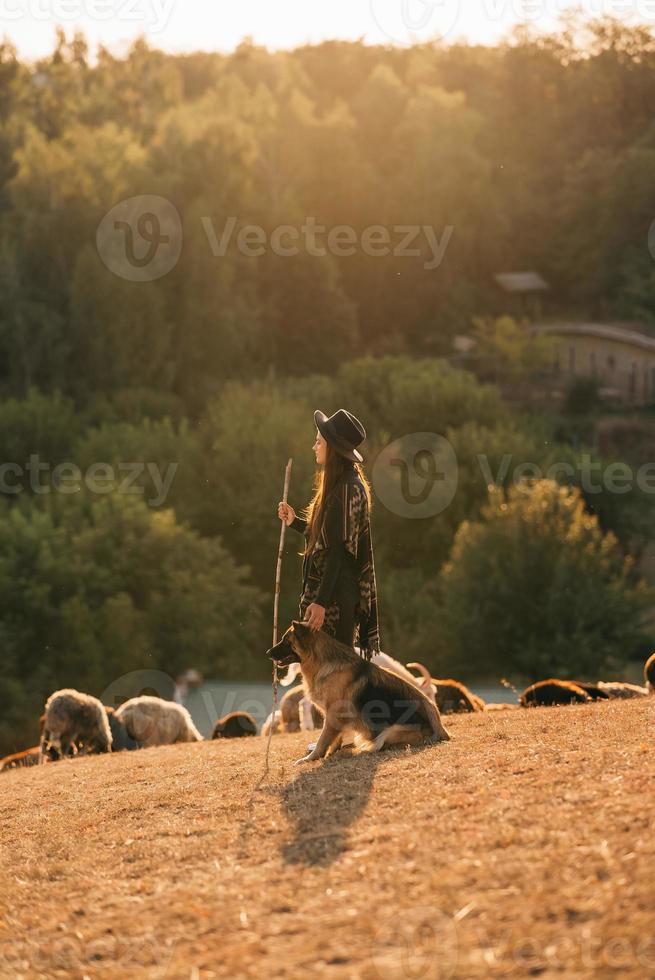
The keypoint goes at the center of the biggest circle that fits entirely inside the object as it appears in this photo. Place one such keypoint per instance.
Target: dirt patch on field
(524, 847)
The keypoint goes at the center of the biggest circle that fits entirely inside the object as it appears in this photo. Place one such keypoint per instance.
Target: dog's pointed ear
(299, 627)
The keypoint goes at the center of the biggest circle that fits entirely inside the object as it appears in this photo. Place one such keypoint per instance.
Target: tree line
(513, 576)
(536, 153)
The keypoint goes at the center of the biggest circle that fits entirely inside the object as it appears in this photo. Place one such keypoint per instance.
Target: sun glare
(198, 24)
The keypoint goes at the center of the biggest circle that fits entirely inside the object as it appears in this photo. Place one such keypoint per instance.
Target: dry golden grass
(524, 847)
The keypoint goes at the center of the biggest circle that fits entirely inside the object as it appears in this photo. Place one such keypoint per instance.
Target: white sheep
(622, 690)
(153, 721)
(73, 719)
(273, 721)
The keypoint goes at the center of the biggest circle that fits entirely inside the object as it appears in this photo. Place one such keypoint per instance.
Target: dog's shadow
(322, 802)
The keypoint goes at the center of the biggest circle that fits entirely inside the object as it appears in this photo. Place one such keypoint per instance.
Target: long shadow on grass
(321, 803)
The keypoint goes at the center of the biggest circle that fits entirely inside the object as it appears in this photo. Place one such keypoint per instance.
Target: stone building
(622, 358)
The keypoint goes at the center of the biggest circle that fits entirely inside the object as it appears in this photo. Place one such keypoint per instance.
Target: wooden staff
(278, 570)
(276, 603)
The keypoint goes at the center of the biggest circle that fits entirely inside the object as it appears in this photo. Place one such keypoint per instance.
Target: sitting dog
(299, 714)
(355, 695)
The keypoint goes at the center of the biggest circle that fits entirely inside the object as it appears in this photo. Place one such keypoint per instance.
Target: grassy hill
(524, 847)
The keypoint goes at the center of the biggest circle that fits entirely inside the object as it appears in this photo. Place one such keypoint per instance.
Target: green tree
(403, 394)
(157, 460)
(43, 425)
(91, 589)
(507, 351)
(250, 433)
(535, 589)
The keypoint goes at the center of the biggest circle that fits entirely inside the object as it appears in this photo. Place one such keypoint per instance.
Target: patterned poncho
(347, 521)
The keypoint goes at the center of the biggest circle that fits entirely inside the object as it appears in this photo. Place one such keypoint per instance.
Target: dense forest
(145, 425)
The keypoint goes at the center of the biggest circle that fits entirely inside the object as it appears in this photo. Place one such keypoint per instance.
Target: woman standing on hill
(339, 593)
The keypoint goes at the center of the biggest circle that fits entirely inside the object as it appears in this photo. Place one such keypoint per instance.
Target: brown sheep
(120, 740)
(32, 756)
(28, 757)
(649, 673)
(453, 697)
(71, 718)
(552, 692)
(53, 755)
(236, 724)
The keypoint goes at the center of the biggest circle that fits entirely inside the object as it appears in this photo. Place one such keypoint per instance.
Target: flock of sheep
(76, 723)
(296, 712)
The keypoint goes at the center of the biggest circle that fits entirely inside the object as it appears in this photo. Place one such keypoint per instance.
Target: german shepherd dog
(357, 697)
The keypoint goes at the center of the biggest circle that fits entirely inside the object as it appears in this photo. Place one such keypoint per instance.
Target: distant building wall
(623, 360)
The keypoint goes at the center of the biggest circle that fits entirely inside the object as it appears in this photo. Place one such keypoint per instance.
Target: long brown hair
(326, 480)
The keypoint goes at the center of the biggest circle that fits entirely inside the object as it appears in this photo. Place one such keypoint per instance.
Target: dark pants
(341, 615)
(346, 598)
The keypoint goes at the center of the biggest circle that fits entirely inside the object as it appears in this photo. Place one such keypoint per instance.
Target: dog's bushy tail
(393, 735)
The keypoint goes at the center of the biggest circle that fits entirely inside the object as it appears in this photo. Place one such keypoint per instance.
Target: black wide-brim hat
(343, 431)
